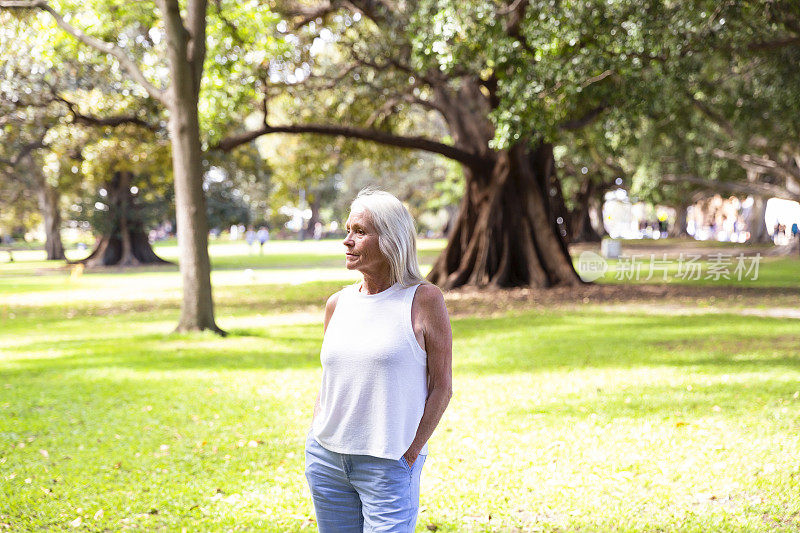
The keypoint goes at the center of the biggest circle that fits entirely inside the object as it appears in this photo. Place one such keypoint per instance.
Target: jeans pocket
(405, 464)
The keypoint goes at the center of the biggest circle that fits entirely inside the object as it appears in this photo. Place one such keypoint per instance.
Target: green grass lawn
(562, 420)
(727, 270)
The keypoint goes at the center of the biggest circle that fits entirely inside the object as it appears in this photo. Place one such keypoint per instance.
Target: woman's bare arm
(330, 307)
(429, 316)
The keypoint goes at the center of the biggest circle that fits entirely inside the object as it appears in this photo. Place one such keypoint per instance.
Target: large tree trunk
(124, 242)
(505, 234)
(48, 205)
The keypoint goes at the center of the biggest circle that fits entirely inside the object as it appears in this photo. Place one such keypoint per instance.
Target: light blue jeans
(362, 493)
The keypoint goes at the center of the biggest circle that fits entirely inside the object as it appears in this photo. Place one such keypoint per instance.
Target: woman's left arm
(429, 314)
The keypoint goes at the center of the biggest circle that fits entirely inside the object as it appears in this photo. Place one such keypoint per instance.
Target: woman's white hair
(397, 238)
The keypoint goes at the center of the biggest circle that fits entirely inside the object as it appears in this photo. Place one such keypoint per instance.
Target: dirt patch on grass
(768, 301)
(782, 345)
(673, 248)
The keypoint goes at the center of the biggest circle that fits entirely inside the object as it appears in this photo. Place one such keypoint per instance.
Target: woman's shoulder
(427, 290)
(429, 298)
(333, 299)
(330, 306)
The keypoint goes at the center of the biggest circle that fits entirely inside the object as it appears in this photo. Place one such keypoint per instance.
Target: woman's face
(362, 252)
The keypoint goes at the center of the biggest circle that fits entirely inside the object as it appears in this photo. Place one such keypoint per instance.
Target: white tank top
(374, 375)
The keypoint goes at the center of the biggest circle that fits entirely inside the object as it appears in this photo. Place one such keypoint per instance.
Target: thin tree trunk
(314, 205)
(557, 207)
(505, 234)
(197, 312)
(186, 47)
(596, 214)
(48, 205)
(186, 51)
(678, 228)
(580, 222)
(127, 258)
(755, 221)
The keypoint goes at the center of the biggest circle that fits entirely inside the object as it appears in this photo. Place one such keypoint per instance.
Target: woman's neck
(375, 284)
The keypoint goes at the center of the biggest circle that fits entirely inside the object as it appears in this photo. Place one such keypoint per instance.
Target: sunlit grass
(753, 272)
(589, 420)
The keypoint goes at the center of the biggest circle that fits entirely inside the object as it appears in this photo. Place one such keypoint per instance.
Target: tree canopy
(538, 105)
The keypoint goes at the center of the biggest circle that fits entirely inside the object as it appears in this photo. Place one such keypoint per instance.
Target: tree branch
(330, 82)
(380, 137)
(306, 13)
(716, 118)
(23, 152)
(382, 112)
(773, 45)
(376, 10)
(117, 120)
(105, 47)
(756, 163)
(231, 26)
(91, 120)
(578, 123)
(762, 164)
(754, 188)
(516, 14)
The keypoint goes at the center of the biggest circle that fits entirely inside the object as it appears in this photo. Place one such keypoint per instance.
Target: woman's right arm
(330, 307)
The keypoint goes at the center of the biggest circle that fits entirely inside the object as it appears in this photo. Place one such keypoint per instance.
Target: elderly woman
(386, 377)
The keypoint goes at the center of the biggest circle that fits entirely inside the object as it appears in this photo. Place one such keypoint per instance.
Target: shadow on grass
(290, 347)
(234, 333)
(267, 299)
(546, 340)
(676, 401)
(530, 342)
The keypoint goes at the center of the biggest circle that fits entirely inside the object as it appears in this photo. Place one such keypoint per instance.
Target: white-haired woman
(386, 377)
